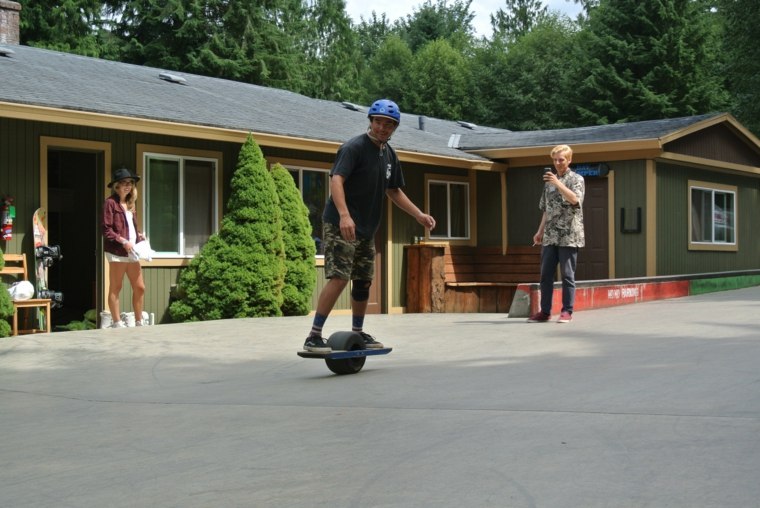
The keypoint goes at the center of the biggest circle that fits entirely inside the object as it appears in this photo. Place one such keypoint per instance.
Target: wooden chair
(18, 269)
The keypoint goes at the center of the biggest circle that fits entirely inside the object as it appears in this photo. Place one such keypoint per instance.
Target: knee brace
(360, 290)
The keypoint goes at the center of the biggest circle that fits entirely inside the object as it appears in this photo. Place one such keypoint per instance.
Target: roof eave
(710, 164)
(451, 162)
(214, 133)
(582, 152)
(150, 126)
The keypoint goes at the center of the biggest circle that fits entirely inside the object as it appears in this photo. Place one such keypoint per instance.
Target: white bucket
(105, 319)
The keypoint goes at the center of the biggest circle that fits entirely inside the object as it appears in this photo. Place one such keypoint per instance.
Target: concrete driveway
(648, 405)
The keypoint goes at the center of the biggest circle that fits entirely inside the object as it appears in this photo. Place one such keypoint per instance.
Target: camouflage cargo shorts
(348, 260)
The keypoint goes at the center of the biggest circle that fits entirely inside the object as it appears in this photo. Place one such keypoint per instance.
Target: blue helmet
(385, 107)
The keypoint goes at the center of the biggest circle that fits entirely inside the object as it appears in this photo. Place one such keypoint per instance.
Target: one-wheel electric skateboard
(348, 353)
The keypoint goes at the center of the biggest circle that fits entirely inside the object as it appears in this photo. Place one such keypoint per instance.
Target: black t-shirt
(368, 172)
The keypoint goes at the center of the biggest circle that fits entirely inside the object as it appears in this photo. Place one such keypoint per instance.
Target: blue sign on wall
(586, 170)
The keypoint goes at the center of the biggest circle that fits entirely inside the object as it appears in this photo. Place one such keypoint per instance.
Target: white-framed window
(314, 185)
(712, 216)
(180, 202)
(449, 202)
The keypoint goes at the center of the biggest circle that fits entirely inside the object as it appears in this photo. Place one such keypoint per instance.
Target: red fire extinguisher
(6, 219)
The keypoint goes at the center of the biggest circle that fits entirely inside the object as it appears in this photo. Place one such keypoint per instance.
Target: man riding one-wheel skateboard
(366, 169)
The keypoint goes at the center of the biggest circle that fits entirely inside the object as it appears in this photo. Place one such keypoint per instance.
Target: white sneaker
(118, 324)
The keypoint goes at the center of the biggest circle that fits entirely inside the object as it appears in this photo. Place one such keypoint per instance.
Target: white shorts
(113, 258)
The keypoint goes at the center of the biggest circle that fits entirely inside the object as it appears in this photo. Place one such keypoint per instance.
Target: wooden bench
(482, 279)
(443, 278)
(18, 269)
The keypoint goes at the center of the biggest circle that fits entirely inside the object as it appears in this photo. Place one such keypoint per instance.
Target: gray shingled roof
(60, 80)
(650, 129)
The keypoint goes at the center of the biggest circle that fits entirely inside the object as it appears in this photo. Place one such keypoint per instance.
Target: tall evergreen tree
(371, 34)
(300, 275)
(333, 64)
(443, 97)
(388, 73)
(519, 18)
(432, 22)
(254, 42)
(486, 86)
(741, 53)
(240, 271)
(72, 26)
(160, 33)
(524, 87)
(646, 59)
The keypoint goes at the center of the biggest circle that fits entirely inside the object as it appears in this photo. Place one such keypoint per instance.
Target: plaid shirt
(564, 222)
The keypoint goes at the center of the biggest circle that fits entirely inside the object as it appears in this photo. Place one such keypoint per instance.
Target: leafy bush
(6, 306)
(300, 275)
(88, 323)
(240, 271)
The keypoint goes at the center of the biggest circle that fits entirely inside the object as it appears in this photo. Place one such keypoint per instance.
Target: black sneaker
(316, 344)
(370, 342)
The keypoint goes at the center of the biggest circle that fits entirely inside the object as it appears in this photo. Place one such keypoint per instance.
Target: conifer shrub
(300, 274)
(6, 307)
(240, 271)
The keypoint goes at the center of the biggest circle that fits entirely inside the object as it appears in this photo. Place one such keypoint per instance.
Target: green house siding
(489, 208)
(672, 218)
(524, 186)
(673, 256)
(630, 195)
(19, 158)
(158, 285)
(344, 300)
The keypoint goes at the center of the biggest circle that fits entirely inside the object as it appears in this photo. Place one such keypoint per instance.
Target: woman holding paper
(120, 237)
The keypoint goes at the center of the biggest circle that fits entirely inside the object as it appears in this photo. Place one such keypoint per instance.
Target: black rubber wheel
(346, 341)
